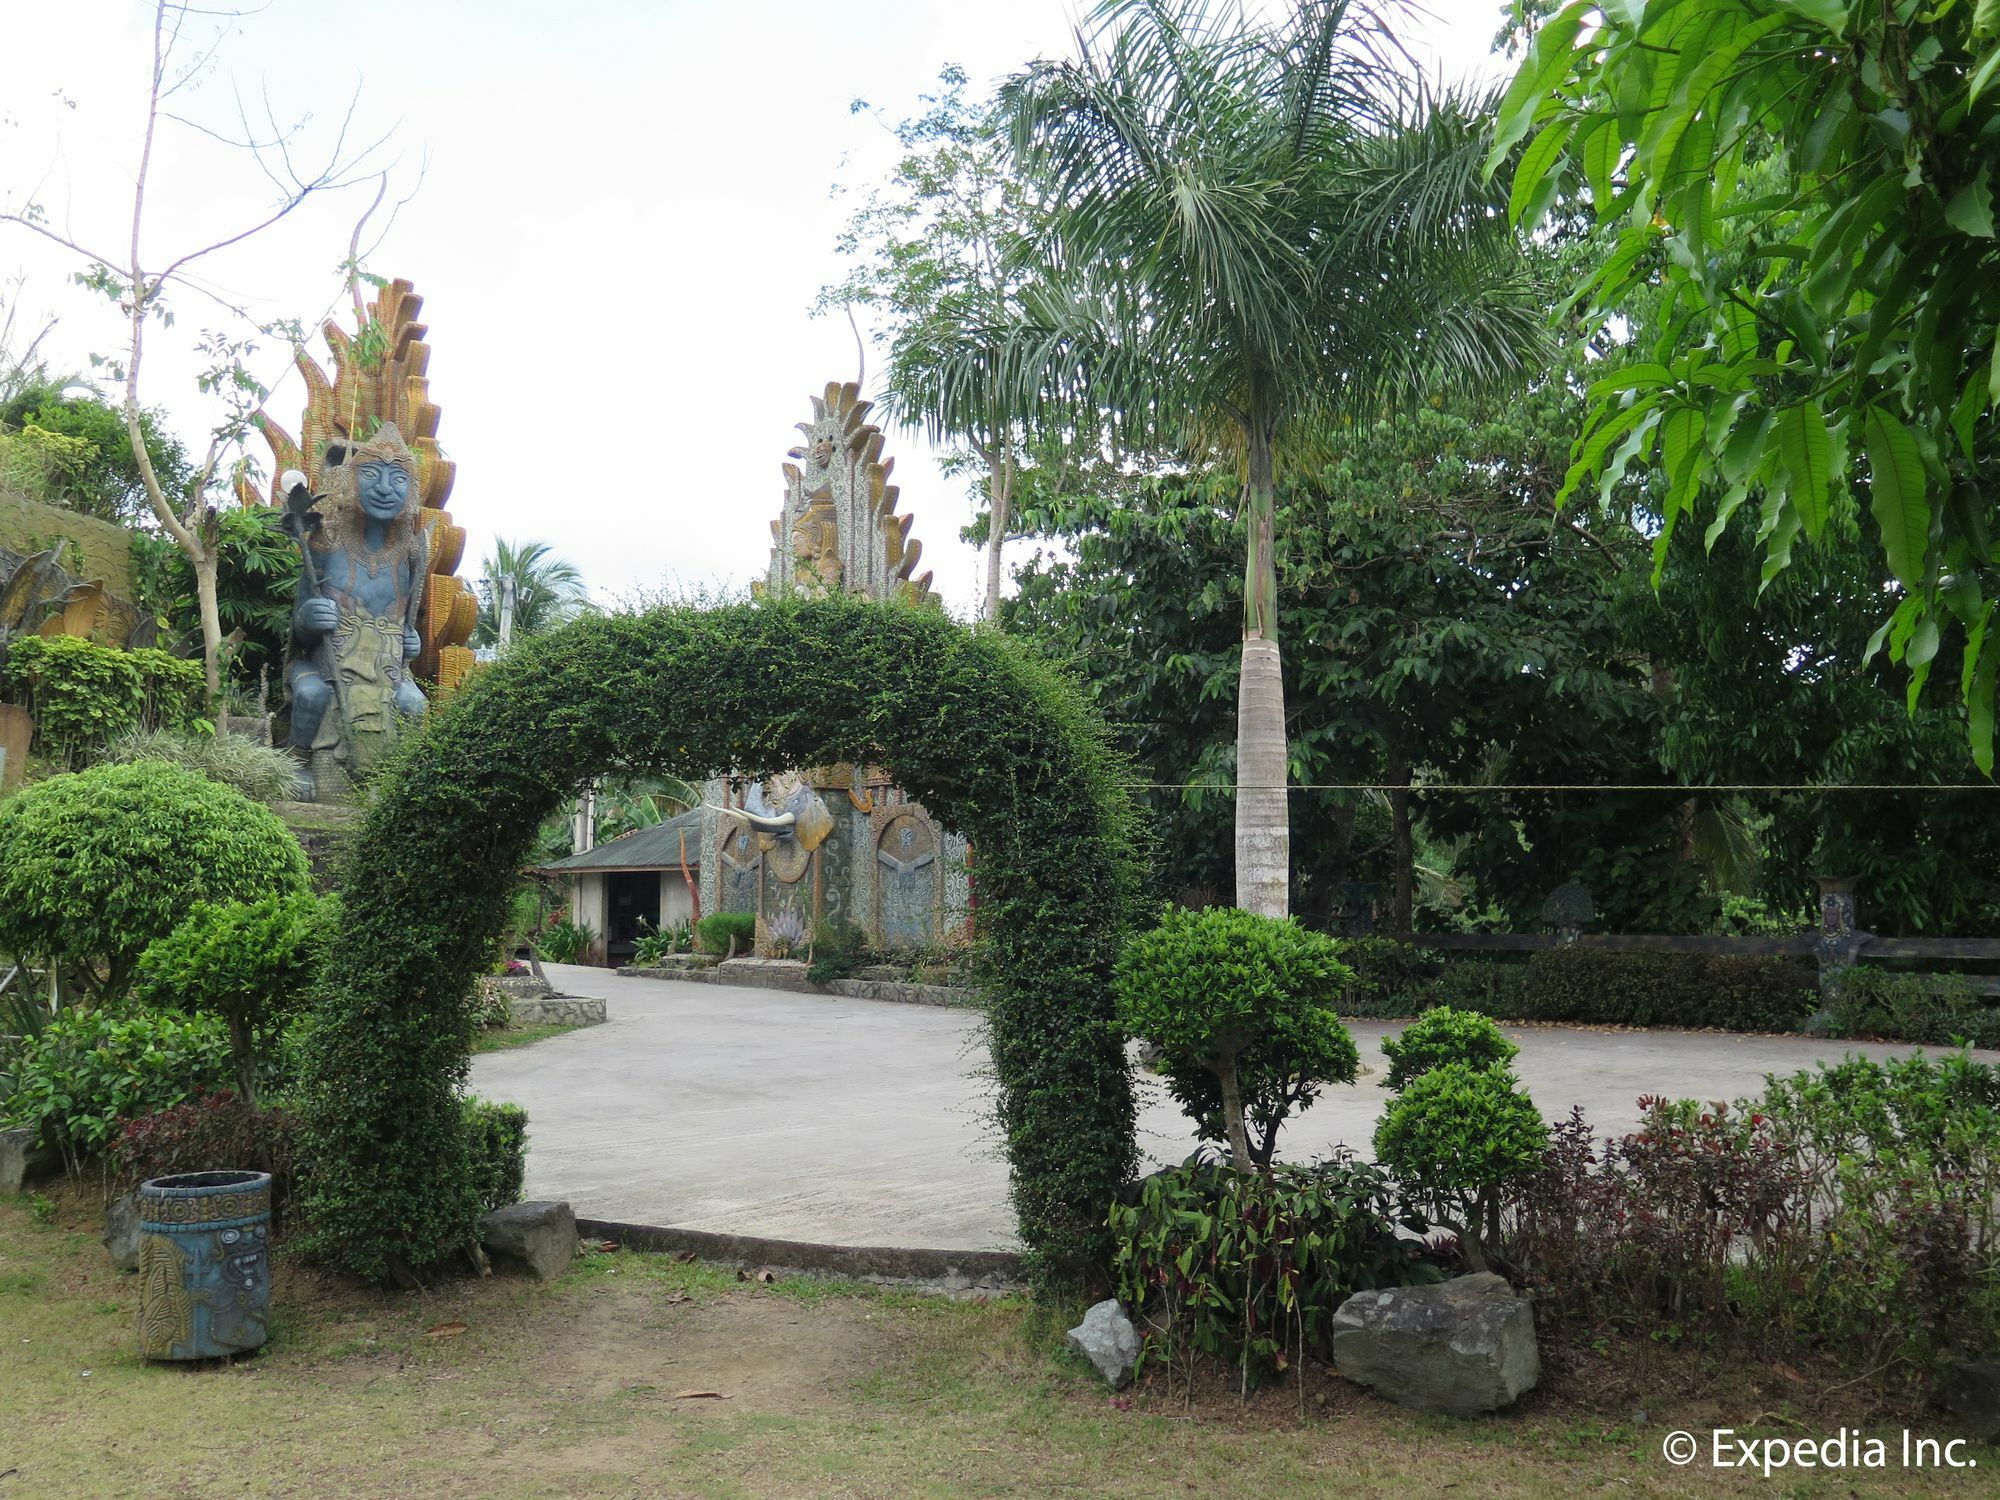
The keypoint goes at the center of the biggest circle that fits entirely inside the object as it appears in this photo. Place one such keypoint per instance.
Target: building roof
(655, 848)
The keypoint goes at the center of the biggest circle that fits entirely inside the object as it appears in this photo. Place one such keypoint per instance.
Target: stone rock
(541, 1234)
(1463, 1347)
(559, 1010)
(1971, 1389)
(1108, 1340)
(25, 1161)
(121, 1231)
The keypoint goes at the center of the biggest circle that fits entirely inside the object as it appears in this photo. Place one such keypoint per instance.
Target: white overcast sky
(624, 219)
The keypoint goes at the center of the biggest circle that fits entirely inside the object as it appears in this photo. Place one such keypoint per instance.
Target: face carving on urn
(383, 489)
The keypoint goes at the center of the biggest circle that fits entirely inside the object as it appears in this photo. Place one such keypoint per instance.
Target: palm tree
(1258, 228)
(547, 590)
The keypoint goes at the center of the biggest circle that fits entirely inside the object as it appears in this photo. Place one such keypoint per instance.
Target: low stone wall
(940, 1270)
(790, 975)
(557, 1010)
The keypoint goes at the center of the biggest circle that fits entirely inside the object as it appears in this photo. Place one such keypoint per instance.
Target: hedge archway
(993, 742)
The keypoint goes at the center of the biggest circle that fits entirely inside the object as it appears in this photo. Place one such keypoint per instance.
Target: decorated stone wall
(856, 850)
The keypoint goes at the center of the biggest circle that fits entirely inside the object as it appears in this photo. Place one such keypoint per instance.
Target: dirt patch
(762, 1353)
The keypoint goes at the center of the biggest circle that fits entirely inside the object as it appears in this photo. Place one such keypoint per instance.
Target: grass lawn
(511, 1388)
(502, 1038)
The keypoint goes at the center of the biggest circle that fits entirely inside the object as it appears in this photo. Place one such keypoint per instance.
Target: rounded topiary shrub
(1457, 1138)
(1242, 1008)
(94, 866)
(248, 962)
(1443, 1035)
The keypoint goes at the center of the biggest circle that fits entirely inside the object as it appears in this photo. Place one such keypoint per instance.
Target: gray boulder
(1971, 1388)
(542, 1235)
(1463, 1347)
(1108, 1340)
(121, 1231)
(25, 1161)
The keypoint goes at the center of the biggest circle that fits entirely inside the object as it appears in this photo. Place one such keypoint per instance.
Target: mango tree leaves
(1807, 253)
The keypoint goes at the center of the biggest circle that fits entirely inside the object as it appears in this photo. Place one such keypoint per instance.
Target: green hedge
(715, 931)
(496, 1143)
(995, 744)
(84, 695)
(1592, 986)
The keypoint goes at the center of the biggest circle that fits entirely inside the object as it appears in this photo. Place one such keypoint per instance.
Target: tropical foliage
(546, 591)
(1807, 190)
(1257, 227)
(97, 864)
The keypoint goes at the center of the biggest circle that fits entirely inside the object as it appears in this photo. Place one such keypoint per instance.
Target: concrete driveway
(861, 1122)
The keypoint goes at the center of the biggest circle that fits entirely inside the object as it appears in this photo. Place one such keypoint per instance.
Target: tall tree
(138, 281)
(1254, 227)
(943, 245)
(1848, 337)
(547, 590)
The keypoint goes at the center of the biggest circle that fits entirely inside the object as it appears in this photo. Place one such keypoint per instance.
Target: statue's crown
(384, 446)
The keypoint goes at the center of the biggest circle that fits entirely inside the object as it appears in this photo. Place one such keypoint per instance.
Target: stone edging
(949, 996)
(557, 1010)
(948, 1270)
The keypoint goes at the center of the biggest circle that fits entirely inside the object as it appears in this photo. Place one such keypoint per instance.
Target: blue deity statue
(354, 630)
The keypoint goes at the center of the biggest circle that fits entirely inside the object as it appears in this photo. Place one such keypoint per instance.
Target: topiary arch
(994, 743)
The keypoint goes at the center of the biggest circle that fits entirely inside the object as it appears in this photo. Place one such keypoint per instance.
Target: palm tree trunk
(1000, 489)
(1263, 829)
(1403, 902)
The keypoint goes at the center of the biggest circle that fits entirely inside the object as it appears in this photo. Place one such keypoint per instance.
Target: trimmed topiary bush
(1671, 989)
(245, 961)
(994, 743)
(726, 931)
(96, 865)
(1443, 1035)
(1242, 1008)
(496, 1145)
(1458, 1138)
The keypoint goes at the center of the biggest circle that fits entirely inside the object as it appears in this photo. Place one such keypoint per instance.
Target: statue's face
(822, 452)
(384, 490)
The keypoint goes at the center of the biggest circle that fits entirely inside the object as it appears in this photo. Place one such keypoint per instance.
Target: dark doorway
(631, 910)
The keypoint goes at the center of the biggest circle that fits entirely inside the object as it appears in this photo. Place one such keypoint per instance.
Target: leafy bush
(1443, 1035)
(1853, 1209)
(1459, 1139)
(1480, 985)
(1670, 989)
(257, 771)
(839, 948)
(88, 1073)
(84, 695)
(1939, 1008)
(1251, 1266)
(248, 962)
(564, 941)
(1242, 1008)
(496, 1137)
(1385, 970)
(216, 1132)
(726, 931)
(1591, 985)
(97, 864)
(654, 946)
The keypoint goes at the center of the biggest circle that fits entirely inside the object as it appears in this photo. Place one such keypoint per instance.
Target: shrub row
(1852, 1210)
(1591, 985)
(84, 695)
